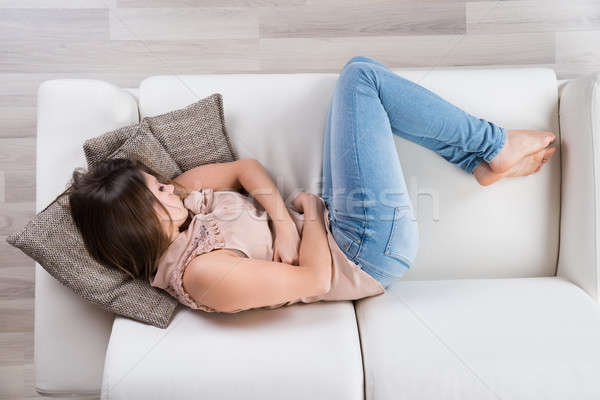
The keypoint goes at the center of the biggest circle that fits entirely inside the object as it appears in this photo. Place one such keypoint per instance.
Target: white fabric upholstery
(580, 130)
(304, 351)
(466, 230)
(71, 334)
(518, 339)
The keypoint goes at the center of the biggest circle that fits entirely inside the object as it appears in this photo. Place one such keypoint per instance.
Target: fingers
(290, 261)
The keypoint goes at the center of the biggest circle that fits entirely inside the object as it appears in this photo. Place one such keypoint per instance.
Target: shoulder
(204, 272)
(204, 267)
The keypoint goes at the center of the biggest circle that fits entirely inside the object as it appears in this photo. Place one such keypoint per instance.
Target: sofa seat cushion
(528, 338)
(304, 351)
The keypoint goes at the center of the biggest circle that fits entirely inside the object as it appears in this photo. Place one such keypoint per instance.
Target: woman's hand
(308, 204)
(286, 245)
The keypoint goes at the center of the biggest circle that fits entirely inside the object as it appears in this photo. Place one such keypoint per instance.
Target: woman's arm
(257, 182)
(217, 176)
(228, 283)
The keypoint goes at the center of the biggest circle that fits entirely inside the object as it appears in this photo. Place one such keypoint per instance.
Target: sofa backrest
(509, 229)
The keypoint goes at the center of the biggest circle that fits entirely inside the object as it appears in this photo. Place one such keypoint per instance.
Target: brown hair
(113, 210)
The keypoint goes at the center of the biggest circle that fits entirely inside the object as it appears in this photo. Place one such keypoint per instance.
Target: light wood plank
(206, 3)
(12, 257)
(14, 216)
(182, 23)
(17, 282)
(17, 122)
(417, 51)
(19, 186)
(577, 53)
(54, 24)
(12, 378)
(532, 16)
(13, 345)
(2, 186)
(128, 56)
(57, 3)
(17, 316)
(17, 154)
(17, 113)
(403, 18)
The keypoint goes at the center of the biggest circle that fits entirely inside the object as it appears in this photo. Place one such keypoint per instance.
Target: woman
(133, 219)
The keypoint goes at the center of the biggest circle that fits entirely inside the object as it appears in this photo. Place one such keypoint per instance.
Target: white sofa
(502, 302)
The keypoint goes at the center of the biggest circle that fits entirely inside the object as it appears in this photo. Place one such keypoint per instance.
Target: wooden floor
(124, 41)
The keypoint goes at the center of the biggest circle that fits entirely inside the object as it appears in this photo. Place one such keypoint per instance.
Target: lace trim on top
(206, 238)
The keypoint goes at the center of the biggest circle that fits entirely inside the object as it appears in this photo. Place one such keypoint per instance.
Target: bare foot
(519, 144)
(526, 166)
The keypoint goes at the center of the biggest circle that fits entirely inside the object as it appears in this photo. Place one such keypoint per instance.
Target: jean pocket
(403, 242)
(344, 241)
(351, 216)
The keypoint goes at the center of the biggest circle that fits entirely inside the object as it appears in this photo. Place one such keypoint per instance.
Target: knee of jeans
(403, 241)
(359, 70)
(357, 58)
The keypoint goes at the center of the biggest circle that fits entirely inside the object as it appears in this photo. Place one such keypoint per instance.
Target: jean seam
(359, 244)
(499, 145)
(395, 224)
(360, 177)
(474, 165)
(377, 270)
(351, 241)
(394, 227)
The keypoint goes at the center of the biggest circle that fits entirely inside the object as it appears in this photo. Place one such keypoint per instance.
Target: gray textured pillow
(196, 134)
(52, 239)
(133, 141)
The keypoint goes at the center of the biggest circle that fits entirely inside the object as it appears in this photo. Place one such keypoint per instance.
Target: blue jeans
(371, 214)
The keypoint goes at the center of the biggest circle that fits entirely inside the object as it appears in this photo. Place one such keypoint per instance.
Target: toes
(548, 153)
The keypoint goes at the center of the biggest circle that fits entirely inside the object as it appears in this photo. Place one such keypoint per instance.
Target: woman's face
(171, 201)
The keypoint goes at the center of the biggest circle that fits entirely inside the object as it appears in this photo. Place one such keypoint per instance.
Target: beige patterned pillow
(133, 141)
(196, 134)
(52, 239)
(191, 136)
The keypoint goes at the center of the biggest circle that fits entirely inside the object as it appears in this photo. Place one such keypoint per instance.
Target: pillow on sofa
(133, 141)
(52, 239)
(196, 134)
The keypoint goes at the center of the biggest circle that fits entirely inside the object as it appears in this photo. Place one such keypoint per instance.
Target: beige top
(231, 220)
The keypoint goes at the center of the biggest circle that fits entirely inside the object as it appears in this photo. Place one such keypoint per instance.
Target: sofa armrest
(579, 111)
(70, 334)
